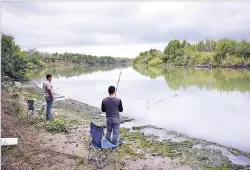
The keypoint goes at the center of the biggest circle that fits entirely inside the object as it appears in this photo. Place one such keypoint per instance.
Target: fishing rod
(118, 82)
(116, 86)
(57, 94)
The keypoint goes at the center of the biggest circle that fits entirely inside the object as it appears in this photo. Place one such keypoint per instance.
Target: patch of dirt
(154, 163)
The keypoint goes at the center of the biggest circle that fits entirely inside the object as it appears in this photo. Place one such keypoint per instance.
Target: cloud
(131, 26)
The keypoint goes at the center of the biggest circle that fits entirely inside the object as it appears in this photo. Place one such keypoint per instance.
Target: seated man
(112, 106)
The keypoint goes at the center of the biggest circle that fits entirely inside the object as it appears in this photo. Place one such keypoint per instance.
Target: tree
(200, 46)
(243, 49)
(172, 50)
(12, 64)
(184, 44)
(223, 48)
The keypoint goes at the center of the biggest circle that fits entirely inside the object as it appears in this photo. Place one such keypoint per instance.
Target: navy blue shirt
(112, 106)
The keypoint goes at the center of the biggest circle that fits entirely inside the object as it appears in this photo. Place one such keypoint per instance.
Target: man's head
(111, 90)
(49, 77)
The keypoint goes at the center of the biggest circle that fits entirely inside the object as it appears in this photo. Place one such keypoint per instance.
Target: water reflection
(219, 79)
(70, 71)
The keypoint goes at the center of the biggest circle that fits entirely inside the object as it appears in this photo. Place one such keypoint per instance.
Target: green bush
(205, 58)
(155, 62)
(231, 61)
(30, 65)
(57, 125)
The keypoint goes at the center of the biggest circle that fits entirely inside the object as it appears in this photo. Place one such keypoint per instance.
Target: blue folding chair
(102, 148)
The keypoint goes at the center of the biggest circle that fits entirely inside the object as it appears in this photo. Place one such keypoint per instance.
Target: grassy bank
(29, 153)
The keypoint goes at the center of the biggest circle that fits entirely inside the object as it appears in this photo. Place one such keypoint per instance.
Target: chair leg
(97, 159)
(100, 154)
(95, 156)
(101, 160)
(89, 153)
(109, 155)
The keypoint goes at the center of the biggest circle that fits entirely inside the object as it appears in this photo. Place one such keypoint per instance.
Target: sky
(121, 29)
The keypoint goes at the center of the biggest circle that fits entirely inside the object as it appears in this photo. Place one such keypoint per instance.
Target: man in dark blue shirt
(112, 106)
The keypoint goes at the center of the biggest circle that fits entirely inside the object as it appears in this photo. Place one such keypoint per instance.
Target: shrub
(155, 62)
(57, 125)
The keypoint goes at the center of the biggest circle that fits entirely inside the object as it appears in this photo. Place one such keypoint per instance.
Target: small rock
(76, 145)
(145, 167)
(158, 155)
(122, 163)
(50, 139)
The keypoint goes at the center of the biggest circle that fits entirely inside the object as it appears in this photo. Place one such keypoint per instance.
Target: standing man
(112, 106)
(49, 95)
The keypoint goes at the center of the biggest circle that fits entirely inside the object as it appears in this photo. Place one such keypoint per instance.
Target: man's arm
(120, 106)
(50, 91)
(103, 107)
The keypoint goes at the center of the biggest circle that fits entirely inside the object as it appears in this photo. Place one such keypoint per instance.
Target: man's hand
(53, 98)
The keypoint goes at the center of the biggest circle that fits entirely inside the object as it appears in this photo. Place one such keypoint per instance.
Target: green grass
(57, 125)
(141, 142)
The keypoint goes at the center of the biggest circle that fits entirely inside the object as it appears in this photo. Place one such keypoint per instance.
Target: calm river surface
(210, 104)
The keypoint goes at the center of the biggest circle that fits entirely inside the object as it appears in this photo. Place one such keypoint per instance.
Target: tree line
(221, 53)
(15, 62)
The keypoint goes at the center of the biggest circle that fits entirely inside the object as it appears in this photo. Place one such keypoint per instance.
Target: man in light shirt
(49, 95)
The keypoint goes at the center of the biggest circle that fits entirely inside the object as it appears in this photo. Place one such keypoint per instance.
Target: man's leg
(109, 130)
(115, 127)
(48, 108)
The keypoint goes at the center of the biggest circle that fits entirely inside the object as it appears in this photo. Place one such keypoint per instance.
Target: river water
(209, 104)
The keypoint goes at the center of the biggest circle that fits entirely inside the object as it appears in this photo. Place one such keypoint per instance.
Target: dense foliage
(89, 60)
(224, 53)
(15, 62)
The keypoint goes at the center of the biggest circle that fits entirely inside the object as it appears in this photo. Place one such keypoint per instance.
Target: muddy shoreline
(142, 145)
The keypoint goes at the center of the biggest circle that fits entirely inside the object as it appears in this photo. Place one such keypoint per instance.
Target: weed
(57, 125)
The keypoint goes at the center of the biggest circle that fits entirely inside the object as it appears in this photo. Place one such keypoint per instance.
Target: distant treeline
(221, 53)
(16, 62)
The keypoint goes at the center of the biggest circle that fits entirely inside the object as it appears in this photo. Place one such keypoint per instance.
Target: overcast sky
(121, 29)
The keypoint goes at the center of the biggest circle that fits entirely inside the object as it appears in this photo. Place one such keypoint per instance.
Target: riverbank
(143, 149)
(197, 66)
